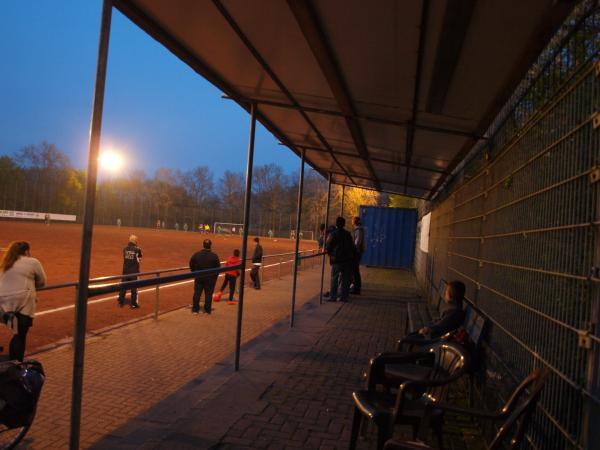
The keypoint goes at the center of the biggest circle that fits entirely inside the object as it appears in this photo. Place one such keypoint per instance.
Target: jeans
(208, 286)
(229, 279)
(254, 276)
(340, 277)
(124, 291)
(356, 274)
(16, 348)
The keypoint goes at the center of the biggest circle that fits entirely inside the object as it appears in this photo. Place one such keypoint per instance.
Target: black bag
(20, 388)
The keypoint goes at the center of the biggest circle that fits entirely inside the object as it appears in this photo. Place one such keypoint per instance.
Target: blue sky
(157, 110)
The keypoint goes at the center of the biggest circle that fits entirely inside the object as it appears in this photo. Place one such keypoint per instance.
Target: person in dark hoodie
(204, 259)
(257, 258)
(451, 312)
(342, 252)
(131, 264)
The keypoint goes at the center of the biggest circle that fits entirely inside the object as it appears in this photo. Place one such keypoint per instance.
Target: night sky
(158, 112)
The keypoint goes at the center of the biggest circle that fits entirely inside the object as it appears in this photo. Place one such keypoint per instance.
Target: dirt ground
(58, 246)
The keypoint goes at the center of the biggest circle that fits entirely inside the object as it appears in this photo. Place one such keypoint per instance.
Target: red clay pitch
(57, 247)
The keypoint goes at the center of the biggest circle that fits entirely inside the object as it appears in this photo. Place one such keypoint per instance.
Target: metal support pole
(324, 236)
(88, 225)
(343, 197)
(298, 218)
(247, 198)
(156, 298)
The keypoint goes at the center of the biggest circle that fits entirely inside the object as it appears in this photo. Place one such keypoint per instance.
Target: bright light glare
(110, 161)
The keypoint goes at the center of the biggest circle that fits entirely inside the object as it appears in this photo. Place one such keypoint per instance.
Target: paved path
(293, 390)
(128, 370)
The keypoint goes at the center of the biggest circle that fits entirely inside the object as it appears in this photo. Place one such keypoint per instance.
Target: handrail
(94, 291)
(125, 285)
(151, 272)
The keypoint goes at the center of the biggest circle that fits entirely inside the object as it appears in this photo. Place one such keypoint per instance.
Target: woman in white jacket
(20, 275)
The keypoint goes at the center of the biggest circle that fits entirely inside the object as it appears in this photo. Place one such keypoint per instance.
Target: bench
(419, 314)
(473, 325)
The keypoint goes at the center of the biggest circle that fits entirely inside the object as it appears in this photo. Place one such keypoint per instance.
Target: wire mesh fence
(519, 226)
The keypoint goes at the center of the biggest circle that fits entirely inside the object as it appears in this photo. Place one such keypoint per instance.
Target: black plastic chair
(385, 409)
(516, 414)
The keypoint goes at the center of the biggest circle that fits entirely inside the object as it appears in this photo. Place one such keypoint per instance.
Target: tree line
(40, 178)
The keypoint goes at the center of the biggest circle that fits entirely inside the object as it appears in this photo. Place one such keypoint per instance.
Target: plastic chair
(516, 414)
(385, 409)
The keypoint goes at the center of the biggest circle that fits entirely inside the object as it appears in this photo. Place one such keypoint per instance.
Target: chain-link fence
(519, 226)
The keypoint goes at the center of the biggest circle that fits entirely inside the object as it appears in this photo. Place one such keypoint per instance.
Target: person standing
(342, 254)
(131, 264)
(47, 219)
(231, 277)
(20, 275)
(204, 259)
(257, 257)
(119, 222)
(321, 237)
(359, 244)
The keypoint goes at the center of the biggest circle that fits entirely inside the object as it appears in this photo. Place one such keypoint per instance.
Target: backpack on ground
(20, 387)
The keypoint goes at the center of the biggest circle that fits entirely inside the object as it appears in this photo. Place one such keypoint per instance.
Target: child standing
(231, 277)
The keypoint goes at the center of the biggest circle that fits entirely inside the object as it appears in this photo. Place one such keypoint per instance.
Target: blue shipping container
(390, 235)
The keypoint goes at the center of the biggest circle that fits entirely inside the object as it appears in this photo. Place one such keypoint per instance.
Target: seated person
(451, 312)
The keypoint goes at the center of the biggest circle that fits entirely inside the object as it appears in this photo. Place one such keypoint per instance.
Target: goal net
(228, 228)
(304, 235)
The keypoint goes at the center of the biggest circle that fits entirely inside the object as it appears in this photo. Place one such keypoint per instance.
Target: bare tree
(231, 193)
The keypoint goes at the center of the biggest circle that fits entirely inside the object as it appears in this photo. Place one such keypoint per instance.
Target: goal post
(228, 228)
(305, 235)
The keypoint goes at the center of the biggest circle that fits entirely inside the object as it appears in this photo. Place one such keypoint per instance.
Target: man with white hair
(131, 264)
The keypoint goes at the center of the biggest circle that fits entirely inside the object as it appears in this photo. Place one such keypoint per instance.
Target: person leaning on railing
(20, 275)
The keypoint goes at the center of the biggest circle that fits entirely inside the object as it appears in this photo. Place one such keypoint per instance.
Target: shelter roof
(388, 95)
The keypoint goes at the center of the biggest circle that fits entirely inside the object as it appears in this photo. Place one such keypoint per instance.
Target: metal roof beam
(360, 177)
(403, 124)
(380, 160)
(315, 37)
(410, 131)
(454, 29)
(265, 66)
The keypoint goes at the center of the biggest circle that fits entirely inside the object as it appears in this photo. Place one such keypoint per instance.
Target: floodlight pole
(88, 225)
(298, 218)
(247, 200)
(325, 237)
(343, 196)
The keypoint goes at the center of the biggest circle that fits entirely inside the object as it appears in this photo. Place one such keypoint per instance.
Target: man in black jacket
(257, 257)
(340, 248)
(131, 264)
(204, 259)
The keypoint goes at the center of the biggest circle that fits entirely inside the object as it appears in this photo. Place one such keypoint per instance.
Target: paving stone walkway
(131, 369)
(293, 390)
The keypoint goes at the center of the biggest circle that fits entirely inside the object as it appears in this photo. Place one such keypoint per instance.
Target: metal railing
(99, 286)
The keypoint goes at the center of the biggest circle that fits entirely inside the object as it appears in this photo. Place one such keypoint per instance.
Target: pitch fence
(519, 226)
(168, 277)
